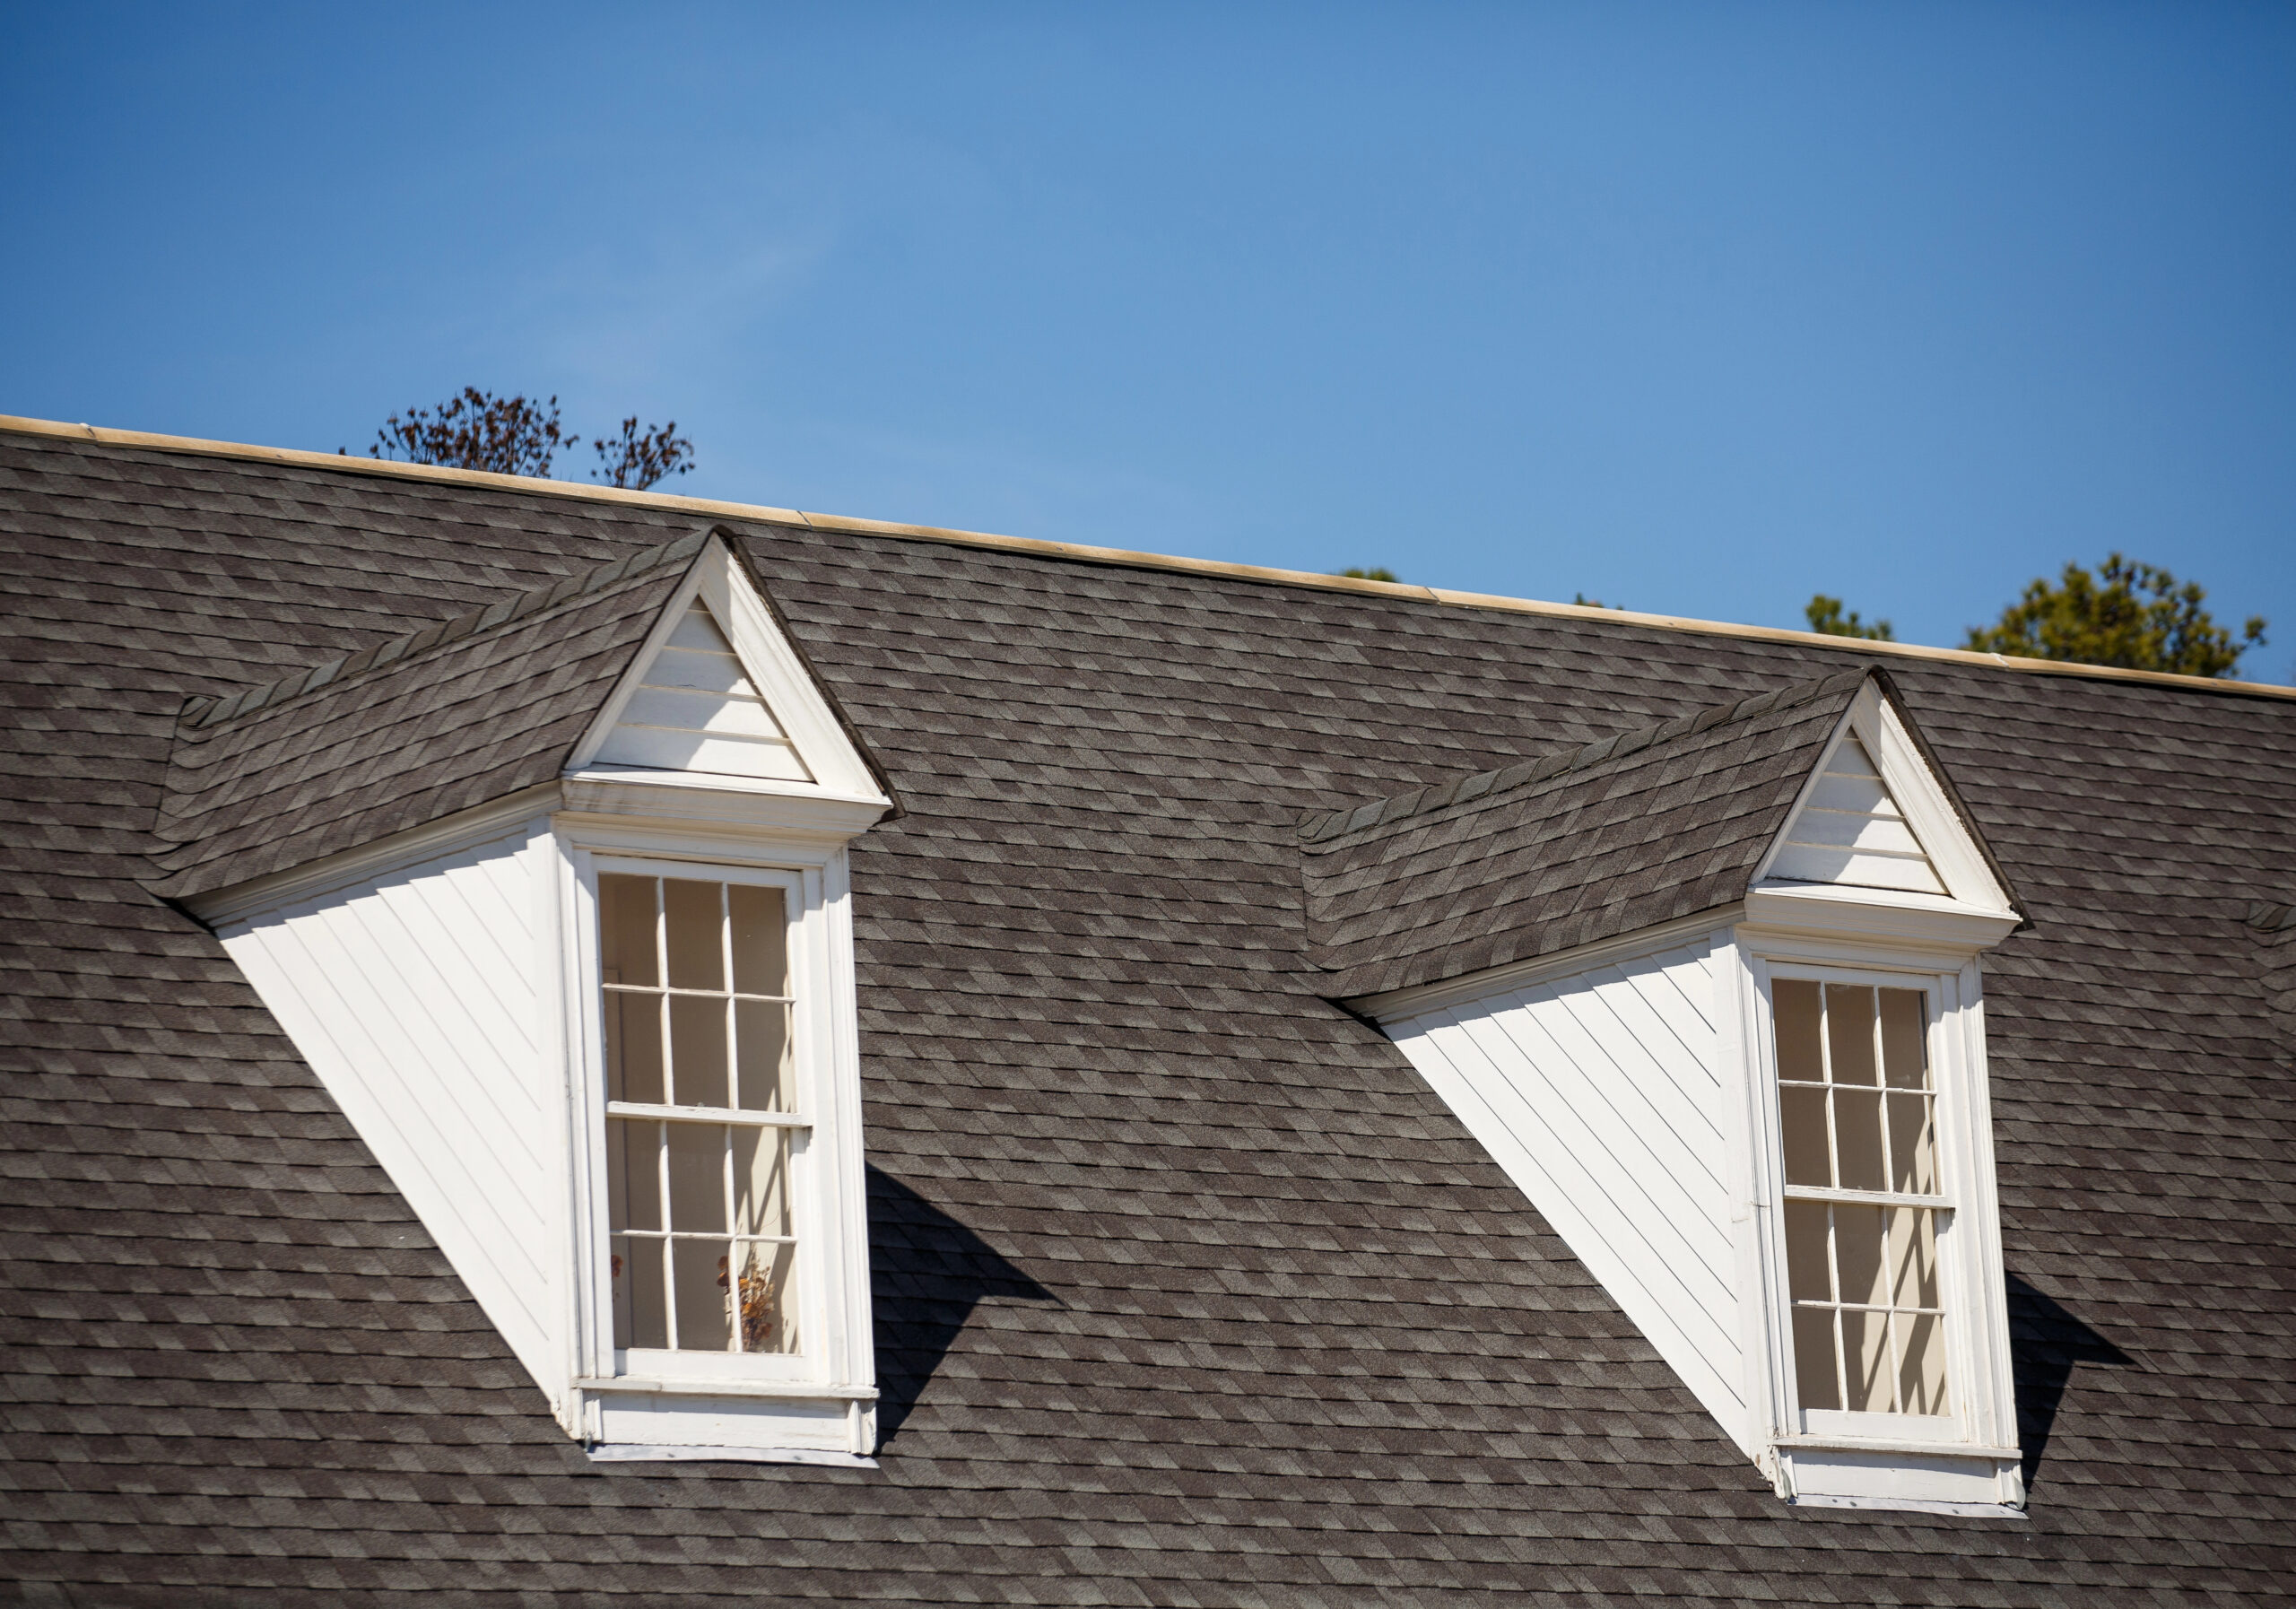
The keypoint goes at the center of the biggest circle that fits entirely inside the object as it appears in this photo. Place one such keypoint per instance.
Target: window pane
(626, 929)
(704, 1324)
(1858, 1254)
(698, 1050)
(1849, 1032)
(760, 940)
(1913, 1145)
(1905, 1048)
(697, 1157)
(761, 1181)
(1865, 1353)
(1808, 1263)
(618, 1269)
(1814, 1381)
(694, 928)
(633, 1175)
(640, 1277)
(1921, 1363)
(769, 1318)
(767, 1072)
(1858, 1139)
(1913, 1256)
(1794, 1005)
(1804, 1114)
(633, 1047)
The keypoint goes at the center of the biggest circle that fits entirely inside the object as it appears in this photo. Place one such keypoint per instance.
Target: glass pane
(1921, 1363)
(705, 1323)
(767, 1072)
(641, 1278)
(633, 1175)
(697, 1158)
(1858, 1139)
(698, 1050)
(618, 1282)
(1905, 1043)
(768, 1316)
(1795, 1005)
(1809, 1266)
(1913, 1256)
(1804, 1114)
(1913, 1145)
(693, 928)
(626, 929)
(761, 1181)
(628, 1154)
(1814, 1381)
(760, 940)
(1865, 1353)
(633, 1047)
(1858, 1254)
(1849, 1032)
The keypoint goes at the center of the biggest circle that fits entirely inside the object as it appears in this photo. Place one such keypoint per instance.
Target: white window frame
(822, 1399)
(1965, 1462)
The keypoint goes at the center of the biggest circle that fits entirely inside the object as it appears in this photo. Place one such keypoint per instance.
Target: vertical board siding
(416, 998)
(696, 710)
(1601, 1096)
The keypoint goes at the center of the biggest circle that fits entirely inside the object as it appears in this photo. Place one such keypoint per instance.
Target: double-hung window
(1864, 1205)
(707, 1124)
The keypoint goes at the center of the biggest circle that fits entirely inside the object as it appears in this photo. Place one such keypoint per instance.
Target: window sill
(1883, 1444)
(791, 1390)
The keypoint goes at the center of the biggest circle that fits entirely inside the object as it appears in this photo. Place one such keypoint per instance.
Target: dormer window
(558, 909)
(1709, 993)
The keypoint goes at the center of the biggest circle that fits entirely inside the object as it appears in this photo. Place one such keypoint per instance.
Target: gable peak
(696, 708)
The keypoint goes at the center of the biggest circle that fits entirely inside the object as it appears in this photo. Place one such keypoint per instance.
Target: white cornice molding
(1884, 917)
(686, 798)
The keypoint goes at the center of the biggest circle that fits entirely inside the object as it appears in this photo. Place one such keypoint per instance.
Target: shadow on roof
(928, 1272)
(2045, 1342)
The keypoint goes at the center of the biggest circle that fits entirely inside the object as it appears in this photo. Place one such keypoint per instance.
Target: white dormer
(601, 1032)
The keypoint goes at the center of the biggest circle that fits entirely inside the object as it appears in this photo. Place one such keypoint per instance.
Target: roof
(1188, 1289)
(405, 732)
(1644, 828)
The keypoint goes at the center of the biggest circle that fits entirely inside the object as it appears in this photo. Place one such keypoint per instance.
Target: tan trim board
(1077, 552)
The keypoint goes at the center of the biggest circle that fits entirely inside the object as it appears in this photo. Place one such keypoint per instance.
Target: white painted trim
(1913, 1505)
(260, 895)
(718, 579)
(1396, 1005)
(836, 1367)
(674, 796)
(631, 1453)
(1877, 917)
(1930, 815)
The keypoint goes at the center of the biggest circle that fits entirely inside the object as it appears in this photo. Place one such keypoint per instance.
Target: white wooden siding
(1601, 1095)
(414, 998)
(695, 709)
(1849, 830)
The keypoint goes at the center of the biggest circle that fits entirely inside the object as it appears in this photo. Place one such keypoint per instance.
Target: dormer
(553, 899)
(1711, 994)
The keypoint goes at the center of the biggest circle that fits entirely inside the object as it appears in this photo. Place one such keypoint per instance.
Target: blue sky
(1699, 309)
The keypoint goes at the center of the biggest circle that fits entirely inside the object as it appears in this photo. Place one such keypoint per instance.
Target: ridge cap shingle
(1323, 825)
(205, 714)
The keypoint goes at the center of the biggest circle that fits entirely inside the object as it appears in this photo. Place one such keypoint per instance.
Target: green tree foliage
(1378, 572)
(1584, 601)
(512, 435)
(2128, 614)
(1824, 614)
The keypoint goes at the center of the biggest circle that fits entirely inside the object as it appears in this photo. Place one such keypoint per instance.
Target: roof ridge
(204, 712)
(1321, 826)
(1440, 596)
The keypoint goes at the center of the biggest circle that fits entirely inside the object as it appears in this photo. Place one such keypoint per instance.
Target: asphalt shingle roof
(1188, 1290)
(404, 732)
(1640, 828)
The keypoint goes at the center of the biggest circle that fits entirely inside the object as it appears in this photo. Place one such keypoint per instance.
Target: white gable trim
(718, 580)
(1929, 812)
